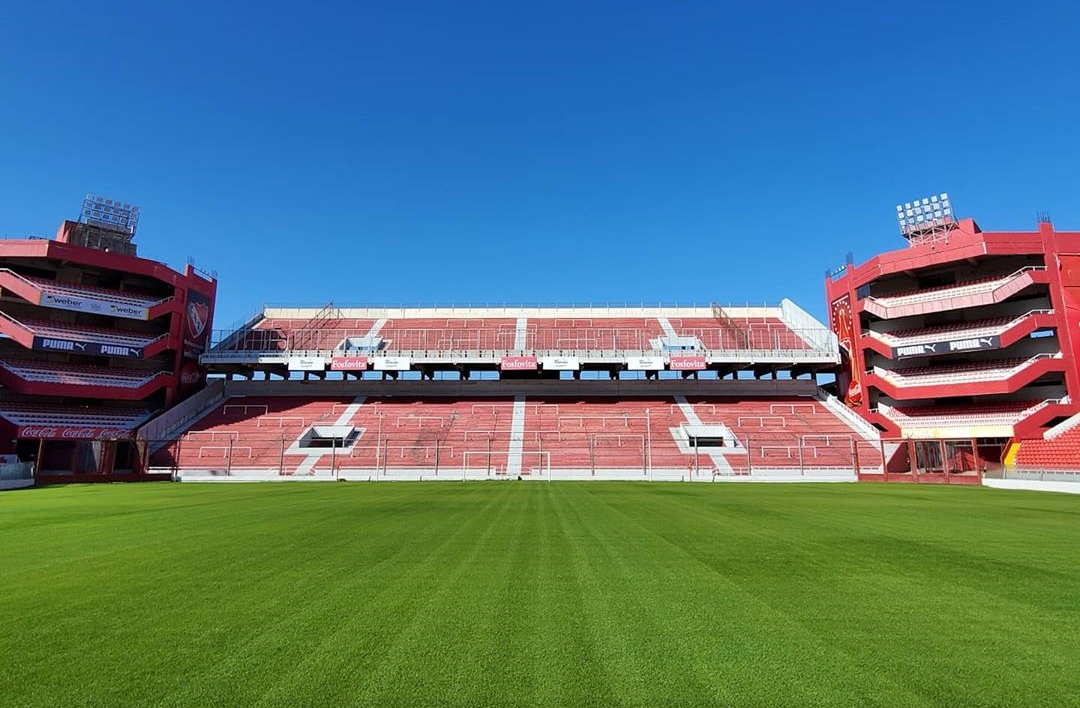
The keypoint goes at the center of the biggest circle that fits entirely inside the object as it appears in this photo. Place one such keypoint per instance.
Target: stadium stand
(526, 436)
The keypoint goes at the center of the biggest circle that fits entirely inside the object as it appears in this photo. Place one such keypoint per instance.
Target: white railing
(958, 333)
(182, 415)
(952, 292)
(970, 376)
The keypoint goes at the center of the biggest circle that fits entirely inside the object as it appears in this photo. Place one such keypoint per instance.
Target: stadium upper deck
(527, 340)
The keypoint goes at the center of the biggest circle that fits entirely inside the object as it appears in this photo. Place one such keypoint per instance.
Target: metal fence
(499, 453)
(505, 337)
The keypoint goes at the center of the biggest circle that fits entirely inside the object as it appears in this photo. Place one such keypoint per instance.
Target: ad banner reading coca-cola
(348, 363)
(52, 344)
(518, 363)
(687, 363)
(72, 432)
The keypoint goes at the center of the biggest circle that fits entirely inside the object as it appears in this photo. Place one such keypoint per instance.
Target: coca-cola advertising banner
(348, 363)
(197, 314)
(94, 307)
(687, 363)
(518, 363)
(52, 344)
(72, 432)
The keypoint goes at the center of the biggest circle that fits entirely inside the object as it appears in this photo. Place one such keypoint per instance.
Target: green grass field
(538, 594)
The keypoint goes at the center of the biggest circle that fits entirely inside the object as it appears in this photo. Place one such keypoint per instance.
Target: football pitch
(529, 593)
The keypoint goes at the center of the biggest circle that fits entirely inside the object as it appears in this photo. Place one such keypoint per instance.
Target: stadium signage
(560, 363)
(518, 363)
(197, 316)
(307, 363)
(70, 432)
(348, 363)
(94, 307)
(51, 344)
(645, 363)
(947, 347)
(687, 363)
(391, 363)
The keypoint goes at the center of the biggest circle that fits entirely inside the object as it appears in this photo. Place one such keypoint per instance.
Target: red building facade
(965, 334)
(94, 341)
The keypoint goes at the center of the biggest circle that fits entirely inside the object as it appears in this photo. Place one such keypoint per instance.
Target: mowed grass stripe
(729, 634)
(538, 594)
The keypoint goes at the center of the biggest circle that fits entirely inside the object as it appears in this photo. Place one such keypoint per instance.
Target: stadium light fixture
(110, 214)
(924, 215)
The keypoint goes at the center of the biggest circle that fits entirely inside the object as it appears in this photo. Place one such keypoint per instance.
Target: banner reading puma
(51, 344)
(948, 346)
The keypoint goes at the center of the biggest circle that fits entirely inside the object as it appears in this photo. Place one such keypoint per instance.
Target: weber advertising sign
(52, 344)
(94, 307)
(947, 347)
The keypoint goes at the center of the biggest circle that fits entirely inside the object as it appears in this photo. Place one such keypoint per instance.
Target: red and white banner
(518, 363)
(687, 363)
(348, 363)
(72, 432)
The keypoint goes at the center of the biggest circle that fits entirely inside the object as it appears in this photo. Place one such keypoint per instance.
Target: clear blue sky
(491, 151)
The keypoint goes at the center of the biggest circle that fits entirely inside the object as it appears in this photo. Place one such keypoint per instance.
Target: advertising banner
(348, 363)
(391, 363)
(560, 363)
(947, 347)
(72, 432)
(94, 307)
(307, 363)
(52, 344)
(645, 363)
(518, 363)
(687, 363)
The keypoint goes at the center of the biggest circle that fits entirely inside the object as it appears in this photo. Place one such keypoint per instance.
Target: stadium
(950, 361)
(622, 552)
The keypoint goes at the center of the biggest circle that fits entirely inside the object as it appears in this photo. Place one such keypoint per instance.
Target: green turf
(538, 593)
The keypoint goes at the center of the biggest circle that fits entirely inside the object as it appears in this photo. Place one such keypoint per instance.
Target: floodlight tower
(926, 220)
(107, 225)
